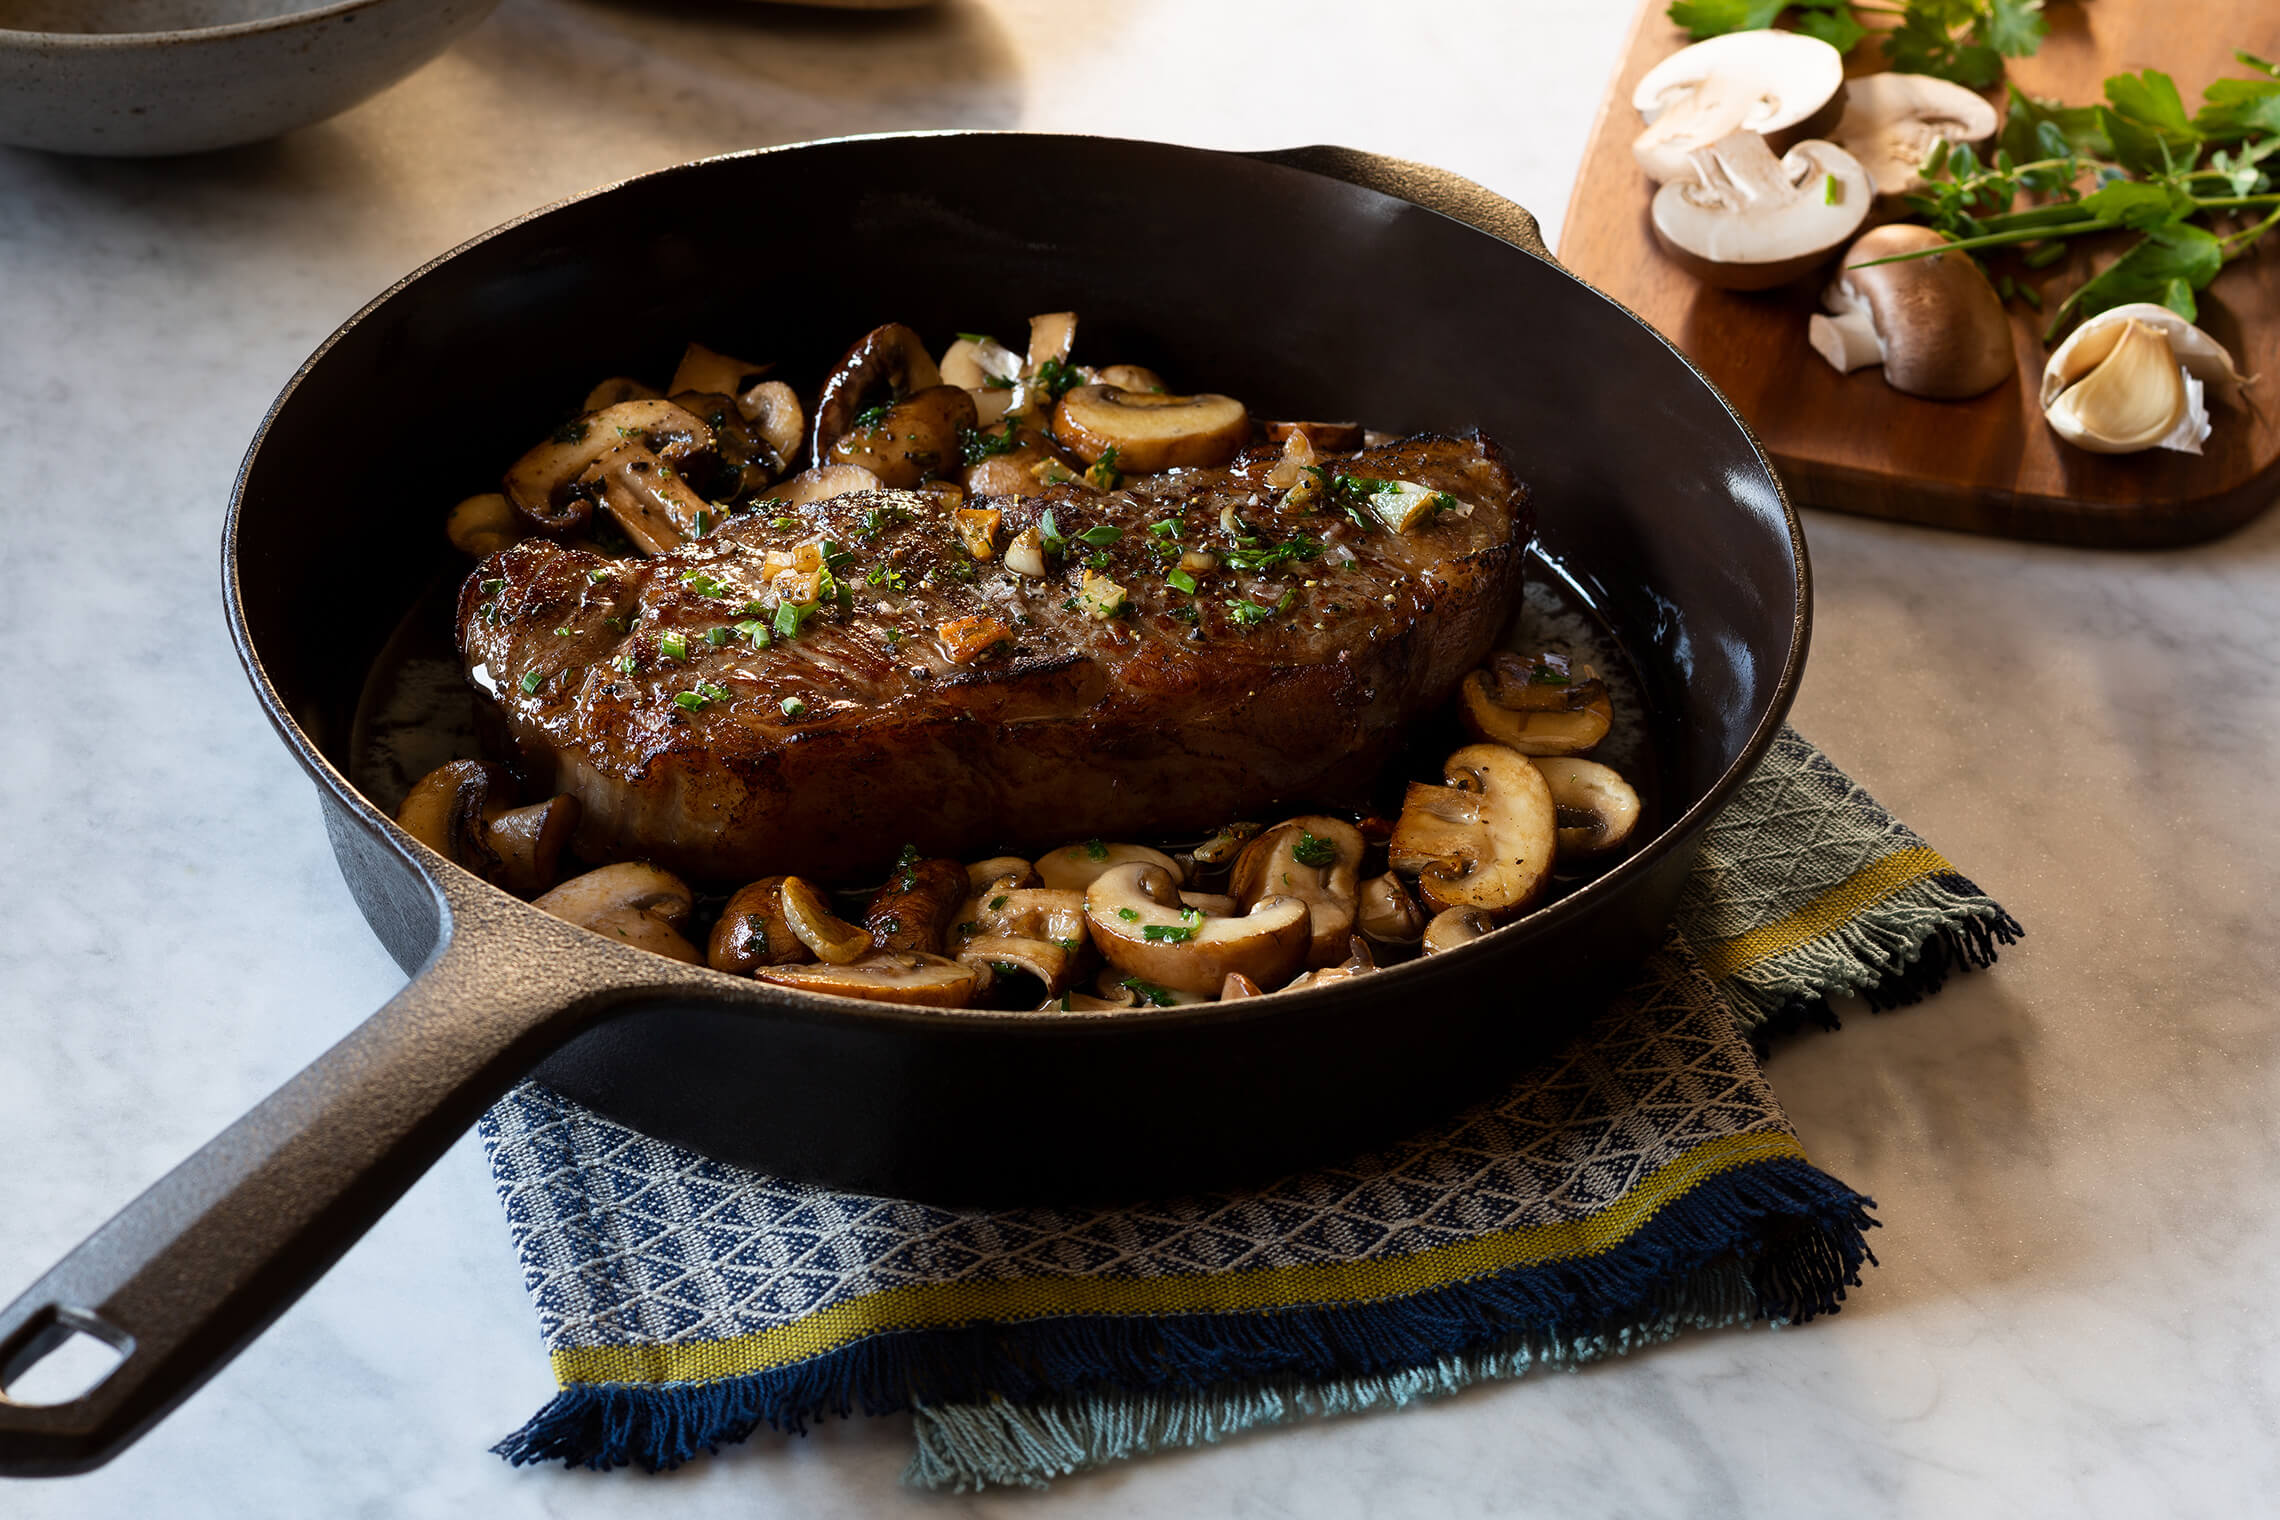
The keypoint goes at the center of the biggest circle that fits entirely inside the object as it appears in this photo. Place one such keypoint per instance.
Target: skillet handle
(1452, 195)
(181, 1279)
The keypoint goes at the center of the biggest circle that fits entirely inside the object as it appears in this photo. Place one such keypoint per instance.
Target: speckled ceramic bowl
(134, 78)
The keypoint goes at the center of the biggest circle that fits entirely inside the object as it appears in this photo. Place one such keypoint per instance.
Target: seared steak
(956, 704)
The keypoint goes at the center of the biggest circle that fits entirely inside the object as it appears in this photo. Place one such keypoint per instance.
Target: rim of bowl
(18, 37)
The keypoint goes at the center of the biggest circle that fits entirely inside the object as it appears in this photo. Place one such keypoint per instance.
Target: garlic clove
(2204, 356)
(2130, 393)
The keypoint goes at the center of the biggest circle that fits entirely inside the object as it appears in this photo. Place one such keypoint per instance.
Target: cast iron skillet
(1314, 282)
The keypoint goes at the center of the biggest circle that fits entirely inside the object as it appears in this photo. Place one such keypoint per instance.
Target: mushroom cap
(1144, 930)
(1487, 841)
(1536, 706)
(1272, 866)
(1940, 322)
(1890, 122)
(751, 932)
(1149, 430)
(1781, 84)
(1074, 867)
(632, 902)
(886, 976)
(1744, 220)
(916, 907)
(1595, 807)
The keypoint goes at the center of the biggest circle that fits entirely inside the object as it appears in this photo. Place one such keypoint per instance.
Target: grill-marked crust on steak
(1141, 725)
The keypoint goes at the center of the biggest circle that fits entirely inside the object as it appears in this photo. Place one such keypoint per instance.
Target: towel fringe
(1793, 1235)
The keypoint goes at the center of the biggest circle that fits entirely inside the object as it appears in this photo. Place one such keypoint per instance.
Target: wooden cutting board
(1988, 465)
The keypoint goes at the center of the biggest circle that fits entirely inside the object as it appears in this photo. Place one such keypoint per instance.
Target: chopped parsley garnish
(626, 663)
(719, 636)
(1250, 614)
(792, 617)
(872, 416)
(1268, 556)
(1544, 673)
(1180, 580)
(703, 584)
(1103, 472)
(1095, 850)
(1150, 993)
(532, 681)
(599, 574)
(755, 632)
(704, 522)
(835, 556)
(1167, 528)
(1056, 378)
(978, 444)
(494, 585)
(792, 707)
(997, 902)
(672, 646)
(562, 633)
(783, 522)
(1100, 536)
(1168, 933)
(976, 339)
(572, 431)
(877, 520)
(1312, 851)
(997, 382)
(1129, 915)
(906, 869)
(703, 694)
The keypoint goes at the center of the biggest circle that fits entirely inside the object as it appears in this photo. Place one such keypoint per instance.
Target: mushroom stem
(1847, 338)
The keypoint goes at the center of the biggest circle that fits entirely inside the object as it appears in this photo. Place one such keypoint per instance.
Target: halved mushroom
(807, 912)
(1892, 122)
(1150, 431)
(1934, 323)
(1595, 807)
(1745, 220)
(649, 498)
(1784, 85)
(1538, 706)
(773, 409)
(1144, 930)
(892, 357)
(482, 525)
(1033, 929)
(539, 483)
(617, 389)
(633, 903)
(999, 871)
(745, 460)
(704, 369)
(464, 811)
(889, 976)
(1485, 841)
(1211, 902)
(1130, 377)
(1387, 913)
(911, 440)
(987, 370)
(1237, 986)
(752, 931)
(1452, 927)
(1074, 867)
(1223, 847)
(1315, 859)
(1051, 335)
(1358, 962)
(821, 485)
(1325, 437)
(917, 906)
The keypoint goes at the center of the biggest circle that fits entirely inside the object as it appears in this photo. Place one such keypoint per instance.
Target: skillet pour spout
(1322, 281)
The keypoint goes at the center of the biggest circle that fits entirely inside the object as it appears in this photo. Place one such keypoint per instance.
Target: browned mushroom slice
(1315, 859)
(464, 812)
(773, 409)
(529, 842)
(1131, 377)
(889, 976)
(1452, 927)
(746, 461)
(1322, 437)
(1074, 867)
(1149, 431)
(483, 525)
(705, 369)
(1358, 962)
(917, 906)
(999, 871)
(890, 359)
(1387, 913)
(1237, 986)
(1034, 929)
(1539, 706)
(1145, 931)
(909, 441)
(1595, 806)
(616, 389)
(1486, 841)
(648, 498)
(1222, 848)
(752, 931)
(539, 482)
(808, 914)
(632, 903)
(821, 485)
(1116, 984)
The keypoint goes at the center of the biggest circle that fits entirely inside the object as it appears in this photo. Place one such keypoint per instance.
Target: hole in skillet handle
(61, 1357)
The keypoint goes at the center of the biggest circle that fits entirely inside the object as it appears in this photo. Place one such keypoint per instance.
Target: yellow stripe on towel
(1833, 909)
(929, 1306)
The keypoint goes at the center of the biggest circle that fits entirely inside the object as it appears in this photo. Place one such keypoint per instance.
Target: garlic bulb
(2134, 377)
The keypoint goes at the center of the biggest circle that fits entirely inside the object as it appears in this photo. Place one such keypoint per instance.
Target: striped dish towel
(1644, 1183)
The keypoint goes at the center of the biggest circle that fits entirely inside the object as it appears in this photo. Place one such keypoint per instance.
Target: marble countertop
(2074, 1156)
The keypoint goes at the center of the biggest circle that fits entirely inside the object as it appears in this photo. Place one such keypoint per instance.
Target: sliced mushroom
(1150, 431)
(1315, 859)
(1131, 377)
(1452, 927)
(633, 903)
(1223, 847)
(999, 871)
(1144, 930)
(1237, 986)
(914, 439)
(888, 976)
(1595, 807)
(1211, 902)
(539, 482)
(1934, 323)
(1074, 867)
(482, 525)
(822, 484)
(1784, 85)
(1115, 984)
(808, 914)
(649, 499)
(1358, 962)
(987, 370)
(752, 931)
(704, 369)
(917, 906)
(1538, 706)
(1322, 437)
(1892, 122)
(1485, 841)
(617, 389)
(1745, 220)
(464, 811)
(1051, 336)
(890, 357)
(1387, 913)
(745, 461)
(773, 409)
(1085, 1002)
